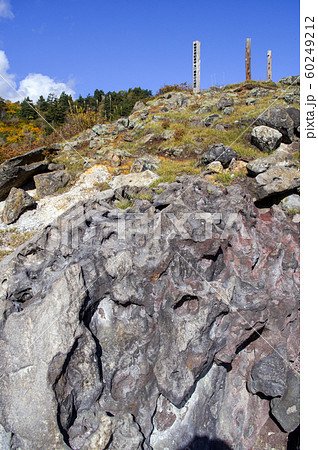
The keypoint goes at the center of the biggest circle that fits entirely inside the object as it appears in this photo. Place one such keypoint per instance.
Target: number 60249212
(310, 47)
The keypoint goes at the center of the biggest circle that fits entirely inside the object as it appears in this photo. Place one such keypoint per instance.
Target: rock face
(139, 329)
(17, 201)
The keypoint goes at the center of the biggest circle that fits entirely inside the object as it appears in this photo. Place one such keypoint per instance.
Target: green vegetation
(11, 239)
(25, 125)
(169, 170)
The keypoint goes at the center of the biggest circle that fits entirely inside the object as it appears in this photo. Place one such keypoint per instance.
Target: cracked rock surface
(144, 328)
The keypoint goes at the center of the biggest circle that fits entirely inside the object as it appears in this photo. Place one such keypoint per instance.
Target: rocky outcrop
(141, 328)
(16, 172)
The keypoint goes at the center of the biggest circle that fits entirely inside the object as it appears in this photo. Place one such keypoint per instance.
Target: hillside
(150, 277)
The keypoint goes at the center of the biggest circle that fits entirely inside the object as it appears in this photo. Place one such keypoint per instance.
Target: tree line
(107, 106)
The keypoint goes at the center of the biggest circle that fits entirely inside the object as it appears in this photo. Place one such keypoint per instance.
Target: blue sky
(113, 45)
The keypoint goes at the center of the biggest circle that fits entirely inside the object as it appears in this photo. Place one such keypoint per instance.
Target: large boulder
(145, 163)
(16, 172)
(16, 203)
(225, 102)
(144, 178)
(279, 119)
(276, 181)
(48, 183)
(219, 152)
(280, 158)
(266, 138)
(286, 409)
(124, 329)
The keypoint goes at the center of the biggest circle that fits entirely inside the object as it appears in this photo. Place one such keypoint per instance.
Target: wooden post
(269, 65)
(248, 59)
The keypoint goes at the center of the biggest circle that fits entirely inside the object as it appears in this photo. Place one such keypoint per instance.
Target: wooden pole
(269, 65)
(248, 59)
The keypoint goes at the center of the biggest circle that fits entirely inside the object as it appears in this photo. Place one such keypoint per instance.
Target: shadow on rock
(204, 443)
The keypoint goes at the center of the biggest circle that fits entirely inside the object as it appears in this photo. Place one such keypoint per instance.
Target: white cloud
(5, 9)
(36, 84)
(33, 85)
(6, 79)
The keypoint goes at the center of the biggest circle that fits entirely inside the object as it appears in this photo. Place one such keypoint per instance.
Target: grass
(169, 170)
(227, 178)
(125, 203)
(102, 186)
(12, 239)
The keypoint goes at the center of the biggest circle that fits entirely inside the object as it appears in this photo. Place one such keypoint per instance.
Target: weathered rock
(138, 105)
(291, 80)
(286, 409)
(101, 129)
(268, 375)
(214, 167)
(280, 158)
(266, 138)
(291, 204)
(134, 179)
(48, 183)
(14, 173)
(93, 176)
(279, 119)
(17, 202)
(128, 329)
(225, 102)
(260, 92)
(145, 163)
(204, 110)
(220, 153)
(294, 113)
(276, 180)
(53, 167)
(228, 110)
(209, 120)
(252, 101)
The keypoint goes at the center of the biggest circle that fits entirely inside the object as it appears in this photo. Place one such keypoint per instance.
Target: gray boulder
(209, 120)
(294, 113)
(280, 158)
(16, 203)
(220, 153)
(145, 163)
(268, 375)
(276, 180)
(225, 102)
(260, 92)
(279, 119)
(138, 105)
(286, 409)
(48, 183)
(291, 204)
(266, 138)
(291, 80)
